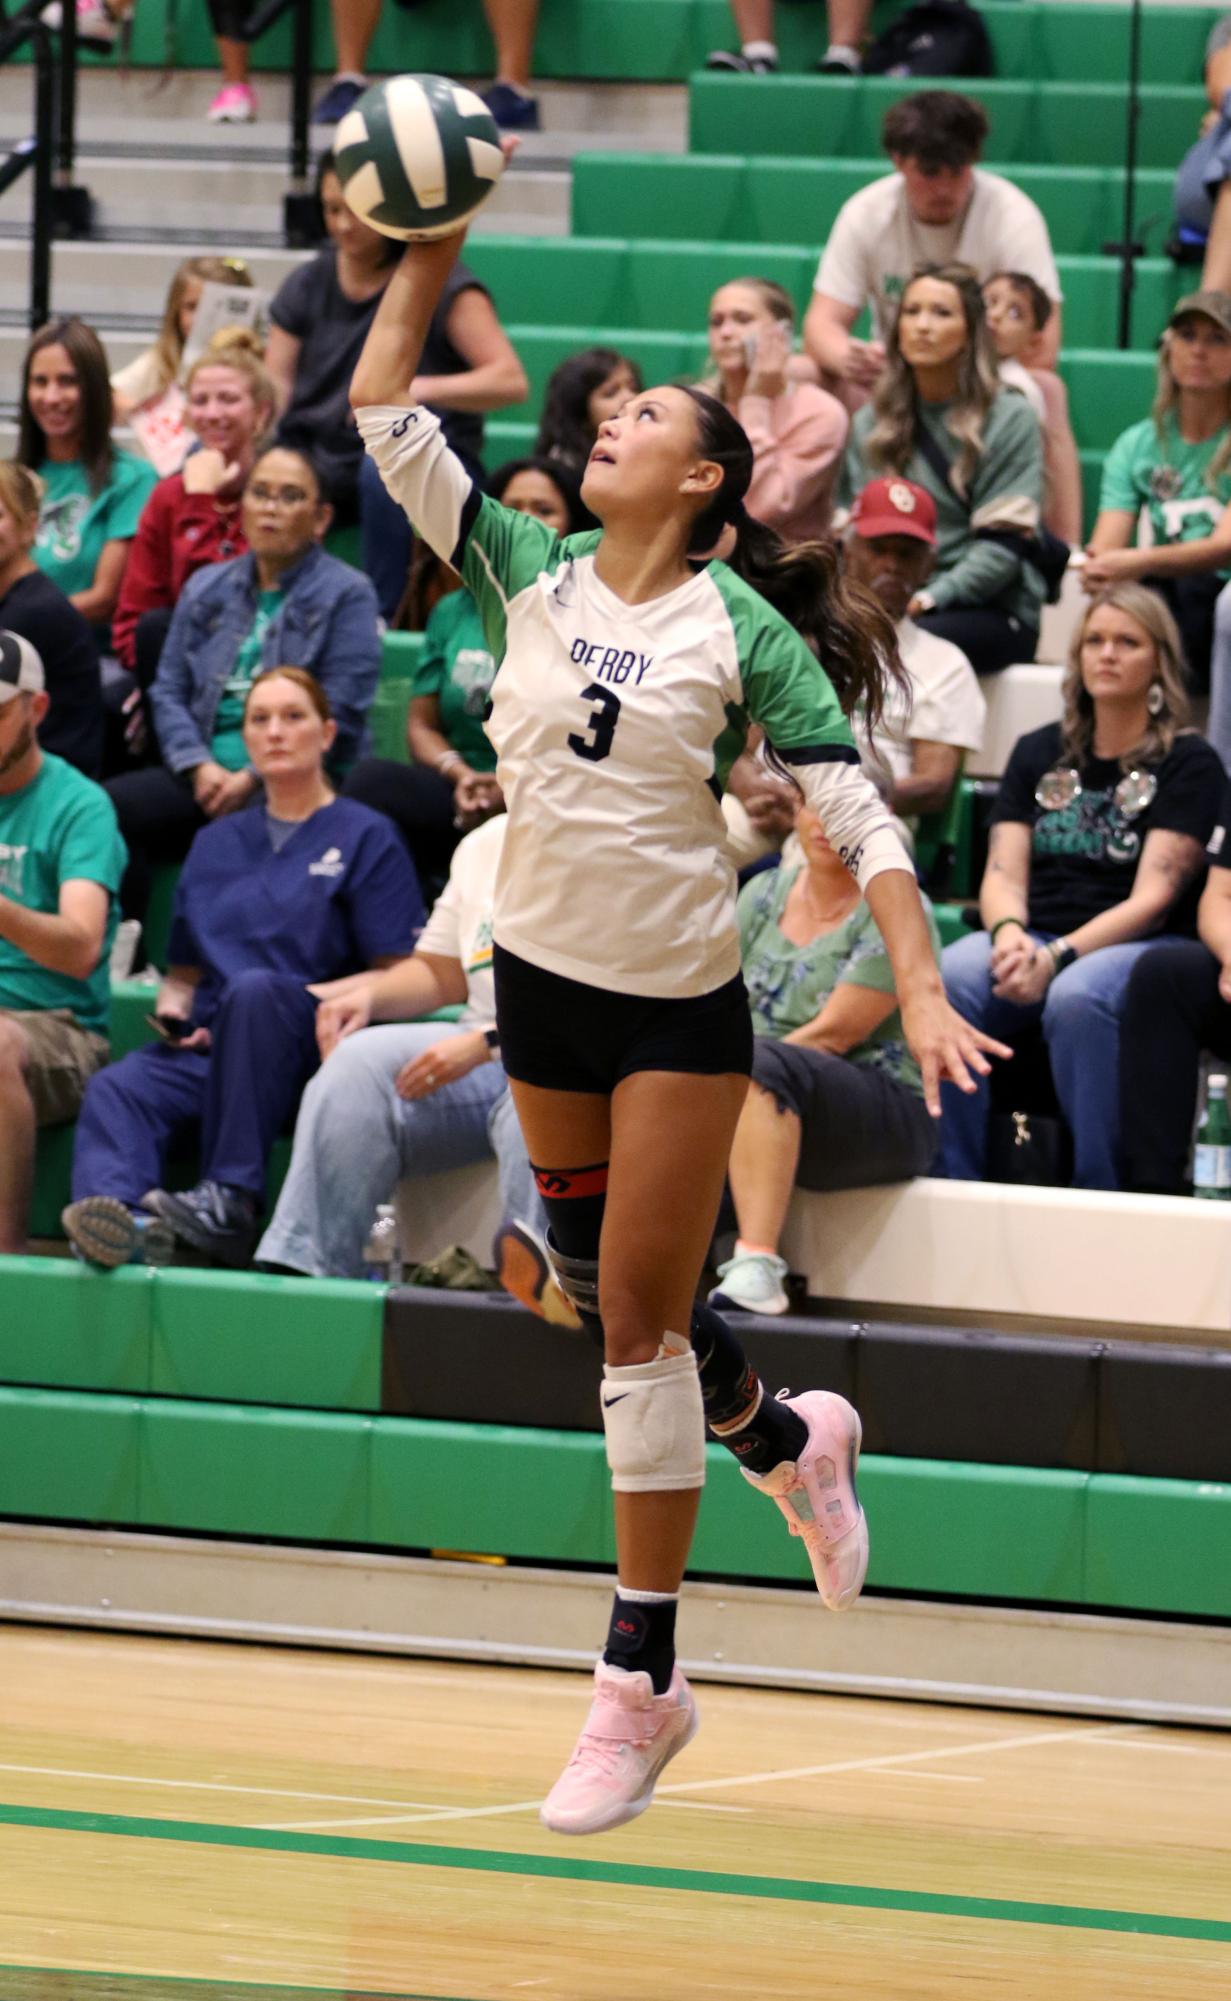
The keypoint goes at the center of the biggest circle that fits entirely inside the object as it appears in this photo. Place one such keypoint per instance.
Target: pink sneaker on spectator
(817, 1495)
(629, 1735)
(235, 104)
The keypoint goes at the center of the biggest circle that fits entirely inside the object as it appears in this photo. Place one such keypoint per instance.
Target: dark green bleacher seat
(1056, 124)
(731, 198)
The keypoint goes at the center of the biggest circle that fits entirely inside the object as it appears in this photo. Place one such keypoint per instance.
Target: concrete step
(126, 284)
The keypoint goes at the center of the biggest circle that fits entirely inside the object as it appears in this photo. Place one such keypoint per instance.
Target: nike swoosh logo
(608, 1401)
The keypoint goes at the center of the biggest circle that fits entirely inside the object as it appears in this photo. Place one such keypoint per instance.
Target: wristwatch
(491, 1037)
(1063, 954)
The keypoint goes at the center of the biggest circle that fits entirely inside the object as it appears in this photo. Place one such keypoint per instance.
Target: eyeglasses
(278, 496)
(1062, 786)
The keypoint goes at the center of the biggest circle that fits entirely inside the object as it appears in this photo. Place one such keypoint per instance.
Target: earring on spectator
(1156, 700)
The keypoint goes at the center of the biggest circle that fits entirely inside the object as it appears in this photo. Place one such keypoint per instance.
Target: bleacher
(210, 1404)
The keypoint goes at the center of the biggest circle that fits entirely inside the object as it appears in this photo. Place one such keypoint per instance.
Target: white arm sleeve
(856, 820)
(430, 485)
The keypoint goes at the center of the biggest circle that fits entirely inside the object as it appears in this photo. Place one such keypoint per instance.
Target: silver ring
(430, 1077)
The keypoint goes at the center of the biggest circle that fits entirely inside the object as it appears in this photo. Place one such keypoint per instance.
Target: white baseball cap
(21, 667)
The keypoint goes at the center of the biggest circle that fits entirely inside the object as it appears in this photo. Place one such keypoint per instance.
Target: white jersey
(615, 726)
(460, 926)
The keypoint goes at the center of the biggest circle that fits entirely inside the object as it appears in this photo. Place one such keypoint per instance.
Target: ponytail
(847, 628)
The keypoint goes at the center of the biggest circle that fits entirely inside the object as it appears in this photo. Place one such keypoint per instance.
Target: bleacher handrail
(301, 222)
(36, 152)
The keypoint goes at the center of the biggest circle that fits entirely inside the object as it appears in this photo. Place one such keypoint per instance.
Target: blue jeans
(1218, 729)
(355, 1139)
(1080, 1015)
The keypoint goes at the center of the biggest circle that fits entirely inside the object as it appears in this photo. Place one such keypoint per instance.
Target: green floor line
(168, 1986)
(703, 1882)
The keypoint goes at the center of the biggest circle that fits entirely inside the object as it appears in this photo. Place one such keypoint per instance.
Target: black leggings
(1172, 1011)
(990, 639)
(420, 804)
(158, 817)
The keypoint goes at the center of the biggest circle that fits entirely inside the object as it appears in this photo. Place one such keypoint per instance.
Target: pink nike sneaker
(629, 1735)
(817, 1495)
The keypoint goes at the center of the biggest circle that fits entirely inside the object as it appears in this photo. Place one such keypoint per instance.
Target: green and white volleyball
(417, 156)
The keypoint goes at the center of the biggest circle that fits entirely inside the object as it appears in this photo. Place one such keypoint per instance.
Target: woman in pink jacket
(797, 430)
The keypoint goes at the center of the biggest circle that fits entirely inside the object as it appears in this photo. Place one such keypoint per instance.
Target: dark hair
(936, 128)
(295, 452)
(1030, 289)
(328, 164)
(844, 625)
(563, 477)
(89, 358)
(565, 430)
(302, 679)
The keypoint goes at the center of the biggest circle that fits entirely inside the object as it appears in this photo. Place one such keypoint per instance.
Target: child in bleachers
(797, 431)
(147, 393)
(581, 394)
(1018, 309)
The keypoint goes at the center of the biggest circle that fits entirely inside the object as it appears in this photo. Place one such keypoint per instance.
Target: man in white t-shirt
(938, 206)
(918, 747)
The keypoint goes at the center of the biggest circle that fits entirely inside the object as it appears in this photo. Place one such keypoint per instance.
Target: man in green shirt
(61, 859)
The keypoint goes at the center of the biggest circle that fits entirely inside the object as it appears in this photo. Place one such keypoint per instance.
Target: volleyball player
(629, 672)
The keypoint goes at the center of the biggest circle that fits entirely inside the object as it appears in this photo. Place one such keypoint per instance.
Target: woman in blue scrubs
(299, 887)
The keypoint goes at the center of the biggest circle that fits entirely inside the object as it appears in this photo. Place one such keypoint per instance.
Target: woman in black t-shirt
(1097, 841)
(320, 317)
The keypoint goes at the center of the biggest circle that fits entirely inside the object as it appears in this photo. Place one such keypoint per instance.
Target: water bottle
(1212, 1153)
(382, 1254)
(155, 1242)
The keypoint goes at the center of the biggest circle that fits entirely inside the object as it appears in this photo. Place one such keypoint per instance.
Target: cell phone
(169, 1027)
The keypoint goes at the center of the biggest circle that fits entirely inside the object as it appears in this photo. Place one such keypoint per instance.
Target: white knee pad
(655, 1425)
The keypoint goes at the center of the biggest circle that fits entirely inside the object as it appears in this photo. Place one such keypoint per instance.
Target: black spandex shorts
(566, 1036)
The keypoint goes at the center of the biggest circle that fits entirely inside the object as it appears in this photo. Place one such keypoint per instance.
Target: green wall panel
(1159, 1545)
(978, 1531)
(65, 1456)
(495, 1489)
(234, 1471)
(254, 1339)
(60, 1326)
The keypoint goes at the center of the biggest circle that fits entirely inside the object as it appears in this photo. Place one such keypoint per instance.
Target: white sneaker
(752, 1282)
(629, 1735)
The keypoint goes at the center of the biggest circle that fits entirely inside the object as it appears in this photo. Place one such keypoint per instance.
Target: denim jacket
(328, 623)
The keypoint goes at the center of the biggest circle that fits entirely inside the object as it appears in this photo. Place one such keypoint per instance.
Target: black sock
(641, 1638)
(575, 1200)
(729, 1384)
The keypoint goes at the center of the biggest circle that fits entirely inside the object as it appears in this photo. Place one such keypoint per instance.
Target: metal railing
(301, 221)
(58, 207)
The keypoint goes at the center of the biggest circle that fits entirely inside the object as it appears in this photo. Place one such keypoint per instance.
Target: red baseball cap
(895, 507)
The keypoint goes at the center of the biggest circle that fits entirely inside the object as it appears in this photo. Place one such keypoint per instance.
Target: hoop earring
(1156, 700)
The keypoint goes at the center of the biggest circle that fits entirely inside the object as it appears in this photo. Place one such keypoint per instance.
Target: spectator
(61, 858)
(93, 493)
(924, 732)
(797, 431)
(936, 207)
(34, 607)
(450, 781)
(410, 1097)
(147, 392)
(941, 420)
(301, 886)
(321, 314)
(195, 517)
(1202, 208)
(512, 24)
(581, 393)
(1018, 310)
(758, 51)
(1175, 464)
(836, 1099)
(286, 603)
(1178, 1003)
(1097, 839)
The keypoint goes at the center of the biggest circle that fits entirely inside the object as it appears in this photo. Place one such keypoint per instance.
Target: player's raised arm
(391, 352)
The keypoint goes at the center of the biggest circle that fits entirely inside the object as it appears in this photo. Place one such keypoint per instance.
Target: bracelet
(1062, 953)
(1000, 924)
(449, 762)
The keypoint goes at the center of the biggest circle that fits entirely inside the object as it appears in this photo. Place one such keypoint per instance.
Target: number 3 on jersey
(600, 724)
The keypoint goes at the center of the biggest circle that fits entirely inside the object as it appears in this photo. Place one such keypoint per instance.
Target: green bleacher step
(968, 1531)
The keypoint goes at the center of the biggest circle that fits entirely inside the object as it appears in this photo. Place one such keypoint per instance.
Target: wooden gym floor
(182, 1821)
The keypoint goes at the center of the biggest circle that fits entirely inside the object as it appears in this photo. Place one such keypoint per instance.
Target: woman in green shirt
(93, 493)
(1176, 464)
(836, 1099)
(449, 786)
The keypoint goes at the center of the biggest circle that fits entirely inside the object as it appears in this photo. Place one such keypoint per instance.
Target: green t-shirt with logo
(60, 828)
(74, 523)
(458, 668)
(789, 984)
(1167, 476)
(227, 747)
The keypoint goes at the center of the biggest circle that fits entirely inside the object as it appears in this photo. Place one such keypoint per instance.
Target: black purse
(1044, 551)
(1029, 1149)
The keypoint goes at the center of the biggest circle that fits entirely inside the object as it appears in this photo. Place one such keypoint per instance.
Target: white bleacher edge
(1062, 1254)
(1018, 699)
